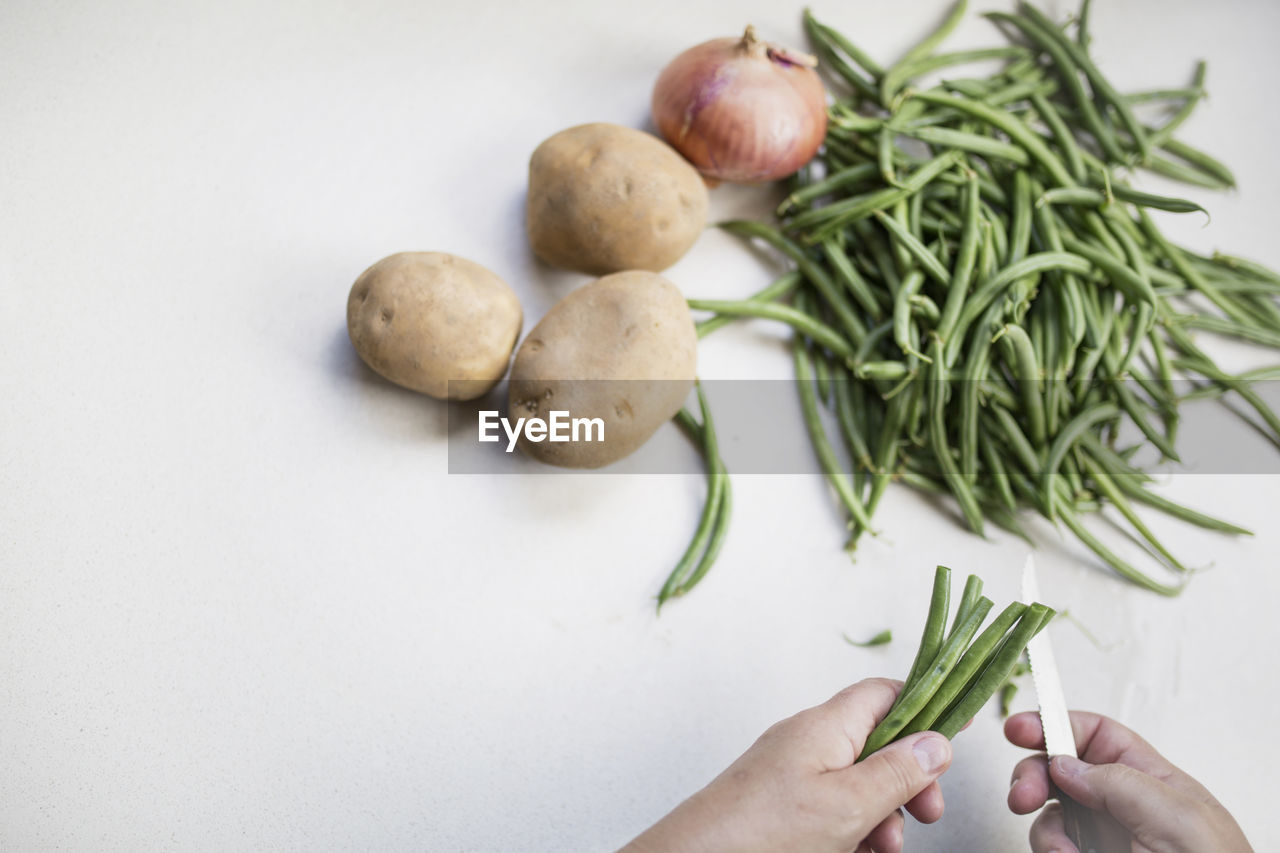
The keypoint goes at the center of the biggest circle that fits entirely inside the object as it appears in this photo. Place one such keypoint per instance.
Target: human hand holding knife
(1080, 823)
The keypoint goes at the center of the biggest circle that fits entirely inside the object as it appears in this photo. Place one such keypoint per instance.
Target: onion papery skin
(741, 110)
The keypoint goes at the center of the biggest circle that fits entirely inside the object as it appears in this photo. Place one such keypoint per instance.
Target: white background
(244, 607)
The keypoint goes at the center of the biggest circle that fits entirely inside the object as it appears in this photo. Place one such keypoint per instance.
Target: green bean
(997, 284)
(1151, 95)
(884, 144)
(851, 176)
(904, 71)
(780, 287)
(1208, 522)
(966, 669)
(924, 308)
(822, 376)
(1165, 133)
(798, 320)
(816, 275)
(828, 41)
(1183, 266)
(968, 599)
(882, 262)
(718, 535)
(997, 471)
(965, 141)
(1247, 267)
(935, 625)
(1068, 71)
(1019, 91)
(847, 416)
(1230, 328)
(835, 216)
(1027, 373)
(884, 638)
(998, 230)
(1211, 371)
(962, 272)
(1013, 127)
(902, 326)
(1122, 567)
(976, 369)
(1063, 136)
(1130, 282)
(1016, 441)
(1065, 440)
(927, 45)
(857, 286)
(928, 261)
(1096, 198)
(1083, 37)
(818, 436)
(1101, 86)
(993, 673)
(848, 47)
(1113, 493)
(1020, 220)
(704, 548)
(942, 451)
(1185, 173)
(916, 695)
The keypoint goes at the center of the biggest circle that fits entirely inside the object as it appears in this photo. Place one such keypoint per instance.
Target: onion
(742, 110)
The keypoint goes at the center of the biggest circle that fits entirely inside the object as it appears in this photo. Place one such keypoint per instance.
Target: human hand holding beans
(798, 788)
(1146, 803)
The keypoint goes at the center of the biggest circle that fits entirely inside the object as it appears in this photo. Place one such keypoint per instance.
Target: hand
(1147, 804)
(797, 787)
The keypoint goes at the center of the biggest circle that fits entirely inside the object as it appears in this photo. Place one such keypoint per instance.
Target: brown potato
(622, 349)
(421, 319)
(605, 198)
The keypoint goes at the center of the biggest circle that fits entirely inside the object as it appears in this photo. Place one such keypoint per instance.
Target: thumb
(889, 777)
(1141, 803)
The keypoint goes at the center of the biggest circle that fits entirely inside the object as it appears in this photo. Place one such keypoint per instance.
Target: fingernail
(932, 752)
(1069, 765)
(1014, 783)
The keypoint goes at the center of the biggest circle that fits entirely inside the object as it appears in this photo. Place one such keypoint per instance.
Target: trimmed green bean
(935, 625)
(916, 695)
(997, 668)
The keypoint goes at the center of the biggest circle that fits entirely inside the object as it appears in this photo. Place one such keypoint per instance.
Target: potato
(622, 349)
(422, 319)
(605, 198)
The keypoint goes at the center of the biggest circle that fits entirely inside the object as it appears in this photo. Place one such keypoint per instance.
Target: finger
(860, 707)
(1140, 802)
(1024, 730)
(887, 836)
(1029, 785)
(892, 776)
(1101, 740)
(927, 806)
(1048, 834)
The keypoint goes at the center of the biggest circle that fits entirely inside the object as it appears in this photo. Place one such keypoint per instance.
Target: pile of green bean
(984, 302)
(956, 671)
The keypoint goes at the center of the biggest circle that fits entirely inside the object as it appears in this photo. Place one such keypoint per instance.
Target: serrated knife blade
(1059, 739)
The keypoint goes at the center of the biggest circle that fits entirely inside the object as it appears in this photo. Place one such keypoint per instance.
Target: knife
(1079, 822)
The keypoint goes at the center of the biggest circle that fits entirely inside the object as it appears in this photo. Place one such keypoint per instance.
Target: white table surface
(244, 607)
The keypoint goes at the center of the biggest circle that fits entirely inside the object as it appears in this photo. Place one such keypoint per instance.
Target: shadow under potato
(386, 403)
